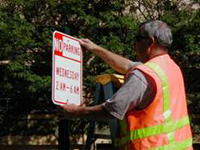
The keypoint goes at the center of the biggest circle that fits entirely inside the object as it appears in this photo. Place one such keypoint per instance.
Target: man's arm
(96, 113)
(117, 62)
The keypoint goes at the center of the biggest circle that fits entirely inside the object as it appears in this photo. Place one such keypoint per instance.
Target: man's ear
(151, 44)
(151, 41)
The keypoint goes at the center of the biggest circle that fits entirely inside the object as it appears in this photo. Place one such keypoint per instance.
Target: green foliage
(26, 29)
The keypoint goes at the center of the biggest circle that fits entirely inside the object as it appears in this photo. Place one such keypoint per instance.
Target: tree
(26, 29)
(26, 38)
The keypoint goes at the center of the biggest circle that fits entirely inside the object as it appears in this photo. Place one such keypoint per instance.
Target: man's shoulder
(137, 75)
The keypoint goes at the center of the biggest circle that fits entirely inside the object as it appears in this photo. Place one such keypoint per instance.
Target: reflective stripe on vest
(154, 130)
(166, 97)
(165, 89)
(168, 127)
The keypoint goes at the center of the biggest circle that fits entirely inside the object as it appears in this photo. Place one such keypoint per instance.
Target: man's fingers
(68, 111)
(84, 42)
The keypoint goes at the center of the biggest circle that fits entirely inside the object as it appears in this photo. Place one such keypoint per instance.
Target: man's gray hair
(159, 30)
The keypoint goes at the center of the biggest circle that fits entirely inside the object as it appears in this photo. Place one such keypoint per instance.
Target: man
(151, 105)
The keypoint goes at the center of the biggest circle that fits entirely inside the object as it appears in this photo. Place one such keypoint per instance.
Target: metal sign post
(63, 135)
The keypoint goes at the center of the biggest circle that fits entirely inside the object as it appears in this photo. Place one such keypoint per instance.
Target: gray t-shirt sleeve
(134, 64)
(136, 92)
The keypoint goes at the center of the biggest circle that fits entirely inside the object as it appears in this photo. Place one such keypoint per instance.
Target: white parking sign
(67, 70)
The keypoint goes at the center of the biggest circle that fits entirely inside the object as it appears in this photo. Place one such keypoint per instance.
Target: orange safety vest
(164, 124)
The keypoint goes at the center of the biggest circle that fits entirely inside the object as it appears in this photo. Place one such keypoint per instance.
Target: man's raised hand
(89, 45)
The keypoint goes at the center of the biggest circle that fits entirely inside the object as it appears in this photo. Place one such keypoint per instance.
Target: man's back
(164, 123)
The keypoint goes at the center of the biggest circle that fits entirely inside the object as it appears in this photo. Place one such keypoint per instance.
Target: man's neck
(156, 53)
